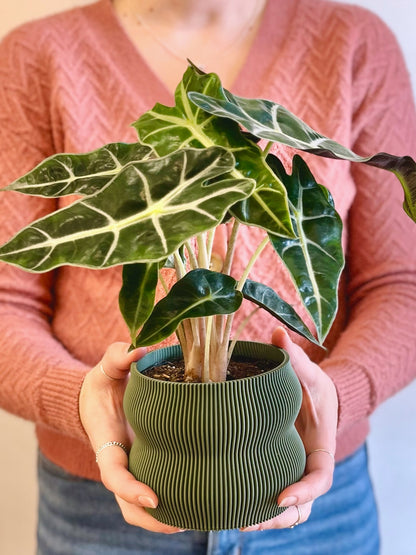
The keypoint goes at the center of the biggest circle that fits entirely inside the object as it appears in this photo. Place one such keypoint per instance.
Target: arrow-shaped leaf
(167, 129)
(271, 121)
(198, 294)
(267, 298)
(143, 215)
(314, 259)
(137, 295)
(81, 174)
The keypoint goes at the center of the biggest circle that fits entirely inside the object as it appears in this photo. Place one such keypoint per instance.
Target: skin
(317, 425)
(101, 412)
(166, 33)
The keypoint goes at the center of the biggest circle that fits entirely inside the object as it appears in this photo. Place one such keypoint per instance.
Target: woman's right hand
(101, 413)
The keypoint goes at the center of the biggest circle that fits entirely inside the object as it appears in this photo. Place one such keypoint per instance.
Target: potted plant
(229, 446)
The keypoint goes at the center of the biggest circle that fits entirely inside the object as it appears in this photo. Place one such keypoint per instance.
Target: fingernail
(182, 529)
(140, 351)
(253, 528)
(147, 502)
(288, 501)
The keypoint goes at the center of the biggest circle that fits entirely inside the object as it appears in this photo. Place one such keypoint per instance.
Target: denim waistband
(80, 517)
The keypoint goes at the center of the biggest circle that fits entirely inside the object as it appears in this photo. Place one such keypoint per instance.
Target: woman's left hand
(317, 426)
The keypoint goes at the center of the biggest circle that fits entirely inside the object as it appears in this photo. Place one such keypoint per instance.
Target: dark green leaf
(143, 215)
(81, 174)
(198, 294)
(267, 298)
(271, 121)
(314, 259)
(137, 294)
(167, 129)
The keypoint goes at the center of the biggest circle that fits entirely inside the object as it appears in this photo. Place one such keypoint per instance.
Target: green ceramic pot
(218, 454)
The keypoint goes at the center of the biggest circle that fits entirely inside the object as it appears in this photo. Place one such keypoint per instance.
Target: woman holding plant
(69, 94)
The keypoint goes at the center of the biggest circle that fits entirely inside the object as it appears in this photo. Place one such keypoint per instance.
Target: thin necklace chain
(237, 39)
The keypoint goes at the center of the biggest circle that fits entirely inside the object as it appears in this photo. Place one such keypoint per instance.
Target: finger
(101, 410)
(316, 482)
(291, 517)
(132, 496)
(113, 465)
(297, 355)
(137, 516)
(317, 420)
(117, 360)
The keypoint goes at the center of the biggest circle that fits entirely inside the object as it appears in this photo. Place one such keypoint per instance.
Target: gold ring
(105, 373)
(323, 451)
(299, 517)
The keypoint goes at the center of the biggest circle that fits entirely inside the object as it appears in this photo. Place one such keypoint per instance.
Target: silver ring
(105, 373)
(110, 444)
(299, 517)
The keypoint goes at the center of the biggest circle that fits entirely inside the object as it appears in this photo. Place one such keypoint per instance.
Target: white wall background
(392, 442)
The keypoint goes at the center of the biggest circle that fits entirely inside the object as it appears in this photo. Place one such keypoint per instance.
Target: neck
(215, 34)
(192, 14)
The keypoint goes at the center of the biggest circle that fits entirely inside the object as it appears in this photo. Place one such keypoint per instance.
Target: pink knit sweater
(74, 81)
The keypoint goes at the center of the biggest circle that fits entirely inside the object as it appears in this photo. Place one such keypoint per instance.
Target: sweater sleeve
(376, 355)
(40, 380)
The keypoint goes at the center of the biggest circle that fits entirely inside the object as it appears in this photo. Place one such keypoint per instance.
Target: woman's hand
(101, 412)
(317, 425)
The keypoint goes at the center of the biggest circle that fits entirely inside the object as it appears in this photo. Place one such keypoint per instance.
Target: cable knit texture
(74, 81)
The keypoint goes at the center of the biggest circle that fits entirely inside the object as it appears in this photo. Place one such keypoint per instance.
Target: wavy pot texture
(218, 454)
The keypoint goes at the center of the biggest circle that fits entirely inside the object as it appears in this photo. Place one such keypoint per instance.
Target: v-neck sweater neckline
(108, 29)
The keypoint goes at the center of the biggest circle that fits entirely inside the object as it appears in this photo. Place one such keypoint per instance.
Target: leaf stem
(207, 348)
(239, 331)
(210, 242)
(202, 250)
(222, 321)
(230, 317)
(192, 258)
(231, 248)
(251, 262)
(179, 265)
(227, 332)
(267, 148)
(163, 282)
(180, 334)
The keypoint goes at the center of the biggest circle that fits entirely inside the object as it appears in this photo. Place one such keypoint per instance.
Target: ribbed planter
(218, 454)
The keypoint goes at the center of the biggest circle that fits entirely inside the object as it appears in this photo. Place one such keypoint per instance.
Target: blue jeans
(80, 517)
